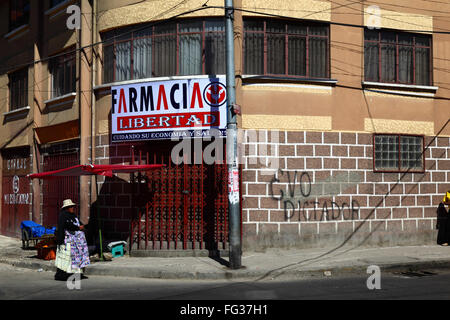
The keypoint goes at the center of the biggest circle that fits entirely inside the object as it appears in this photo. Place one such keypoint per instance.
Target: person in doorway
(443, 221)
(72, 254)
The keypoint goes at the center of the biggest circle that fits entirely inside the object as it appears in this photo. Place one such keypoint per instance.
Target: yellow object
(446, 199)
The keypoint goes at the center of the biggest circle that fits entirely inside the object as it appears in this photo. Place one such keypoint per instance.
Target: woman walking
(72, 253)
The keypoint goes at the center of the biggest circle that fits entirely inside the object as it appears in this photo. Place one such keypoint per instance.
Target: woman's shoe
(61, 277)
(444, 244)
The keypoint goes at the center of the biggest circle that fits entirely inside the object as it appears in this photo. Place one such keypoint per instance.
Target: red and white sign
(168, 109)
(233, 186)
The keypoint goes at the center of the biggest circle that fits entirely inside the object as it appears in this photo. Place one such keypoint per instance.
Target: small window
(63, 70)
(398, 153)
(18, 89)
(19, 13)
(397, 57)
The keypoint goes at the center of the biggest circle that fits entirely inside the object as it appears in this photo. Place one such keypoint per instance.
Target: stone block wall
(310, 189)
(319, 189)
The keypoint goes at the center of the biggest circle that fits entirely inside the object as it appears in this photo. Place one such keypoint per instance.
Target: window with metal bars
(188, 47)
(18, 89)
(398, 153)
(63, 70)
(274, 47)
(397, 57)
(19, 13)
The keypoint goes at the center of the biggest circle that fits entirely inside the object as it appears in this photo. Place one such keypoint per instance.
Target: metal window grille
(18, 89)
(397, 57)
(63, 69)
(274, 47)
(181, 206)
(188, 47)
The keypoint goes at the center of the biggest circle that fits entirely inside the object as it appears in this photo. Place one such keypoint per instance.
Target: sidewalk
(269, 265)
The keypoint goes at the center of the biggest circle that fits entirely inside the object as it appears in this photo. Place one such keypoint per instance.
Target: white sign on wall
(168, 109)
(16, 197)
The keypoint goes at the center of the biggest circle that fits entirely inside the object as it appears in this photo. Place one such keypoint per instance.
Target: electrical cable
(91, 46)
(214, 7)
(446, 31)
(334, 23)
(104, 41)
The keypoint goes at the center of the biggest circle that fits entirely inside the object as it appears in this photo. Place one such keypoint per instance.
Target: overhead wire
(104, 41)
(91, 46)
(200, 9)
(279, 16)
(388, 17)
(64, 53)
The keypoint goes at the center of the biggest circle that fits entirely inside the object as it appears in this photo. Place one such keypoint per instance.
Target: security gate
(56, 190)
(16, 190)
(182, 206)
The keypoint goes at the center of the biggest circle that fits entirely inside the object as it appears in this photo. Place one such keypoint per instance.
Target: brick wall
(336, 199)
(318, 189)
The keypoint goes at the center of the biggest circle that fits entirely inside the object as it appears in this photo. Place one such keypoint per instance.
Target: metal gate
(16, 190)
(56, 190)
(181, 206)
(16, 204)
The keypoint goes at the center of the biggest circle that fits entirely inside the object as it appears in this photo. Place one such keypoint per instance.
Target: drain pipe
(93, 74)
(94, 184)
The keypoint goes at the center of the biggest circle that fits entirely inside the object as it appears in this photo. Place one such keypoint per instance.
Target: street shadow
(112, 214)
(215, 255)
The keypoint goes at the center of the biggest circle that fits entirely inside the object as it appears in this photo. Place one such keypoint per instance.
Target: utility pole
(232, 162)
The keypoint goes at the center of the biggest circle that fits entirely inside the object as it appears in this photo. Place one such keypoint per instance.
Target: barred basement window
(273, 47)
(189, 47)
(398, 153)
(397, 57)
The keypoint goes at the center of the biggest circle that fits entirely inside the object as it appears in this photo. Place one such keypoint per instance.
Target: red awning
(91, 169)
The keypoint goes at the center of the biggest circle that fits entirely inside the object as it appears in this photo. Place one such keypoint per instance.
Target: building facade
(343, 122)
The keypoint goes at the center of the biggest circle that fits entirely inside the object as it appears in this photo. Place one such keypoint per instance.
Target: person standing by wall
(72, 253)
(443, 221)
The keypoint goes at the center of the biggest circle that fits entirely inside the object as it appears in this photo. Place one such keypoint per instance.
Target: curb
(28, 265)
(242, 274)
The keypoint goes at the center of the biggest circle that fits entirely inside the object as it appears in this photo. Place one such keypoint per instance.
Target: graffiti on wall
(16, 187)
(307, 201)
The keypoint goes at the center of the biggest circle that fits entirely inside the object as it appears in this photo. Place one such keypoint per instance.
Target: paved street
(25, 284)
